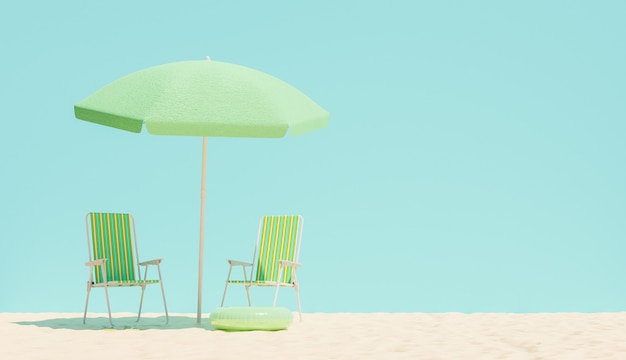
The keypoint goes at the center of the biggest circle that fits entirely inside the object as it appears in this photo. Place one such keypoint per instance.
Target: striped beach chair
(275, 258)
(113, 259)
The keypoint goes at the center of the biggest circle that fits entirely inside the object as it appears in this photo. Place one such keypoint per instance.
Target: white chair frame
(281, 265)
(102, 263)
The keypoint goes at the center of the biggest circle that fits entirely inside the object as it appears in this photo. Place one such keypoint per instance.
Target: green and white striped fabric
(278, 241)
(112, 239)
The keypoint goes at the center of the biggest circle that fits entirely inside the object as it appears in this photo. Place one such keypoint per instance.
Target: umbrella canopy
(203, 98)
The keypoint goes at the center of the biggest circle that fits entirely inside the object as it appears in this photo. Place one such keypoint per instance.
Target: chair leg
(280, 276)
(87, 301)
(143, 289)
(248, 293)
(230, 269)
(106, 294)
(276, 293)
(295, 285)
(167, 315)
(224, 296)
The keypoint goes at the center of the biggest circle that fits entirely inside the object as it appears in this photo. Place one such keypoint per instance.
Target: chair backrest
(111, 236)
(279, 238)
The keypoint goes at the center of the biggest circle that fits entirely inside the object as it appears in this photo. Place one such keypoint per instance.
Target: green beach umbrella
(203, 98)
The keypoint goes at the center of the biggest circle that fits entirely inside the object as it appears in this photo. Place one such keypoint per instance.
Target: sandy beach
(319, 336)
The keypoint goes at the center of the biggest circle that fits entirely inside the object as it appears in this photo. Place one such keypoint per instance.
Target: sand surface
(319, 336)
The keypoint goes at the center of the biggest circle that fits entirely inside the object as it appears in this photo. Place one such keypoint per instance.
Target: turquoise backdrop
(474, 161)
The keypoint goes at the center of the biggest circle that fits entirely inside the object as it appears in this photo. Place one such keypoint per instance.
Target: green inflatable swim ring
(250, 318)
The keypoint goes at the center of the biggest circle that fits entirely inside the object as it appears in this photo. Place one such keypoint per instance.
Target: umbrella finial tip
(208, 58)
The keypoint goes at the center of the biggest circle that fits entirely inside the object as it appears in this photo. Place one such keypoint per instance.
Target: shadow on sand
(121, 323)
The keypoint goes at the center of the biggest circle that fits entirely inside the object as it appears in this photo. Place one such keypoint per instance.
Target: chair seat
(127, 283)
(259, 283)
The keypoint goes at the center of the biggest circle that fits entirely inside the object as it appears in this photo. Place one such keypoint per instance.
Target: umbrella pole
(202, 197)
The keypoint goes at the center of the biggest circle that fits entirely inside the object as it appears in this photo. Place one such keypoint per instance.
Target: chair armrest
(150, 262)
(239, 263)
(95, 262)
(289, 263)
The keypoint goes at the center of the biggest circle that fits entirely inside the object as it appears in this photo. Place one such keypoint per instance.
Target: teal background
(474, 161)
